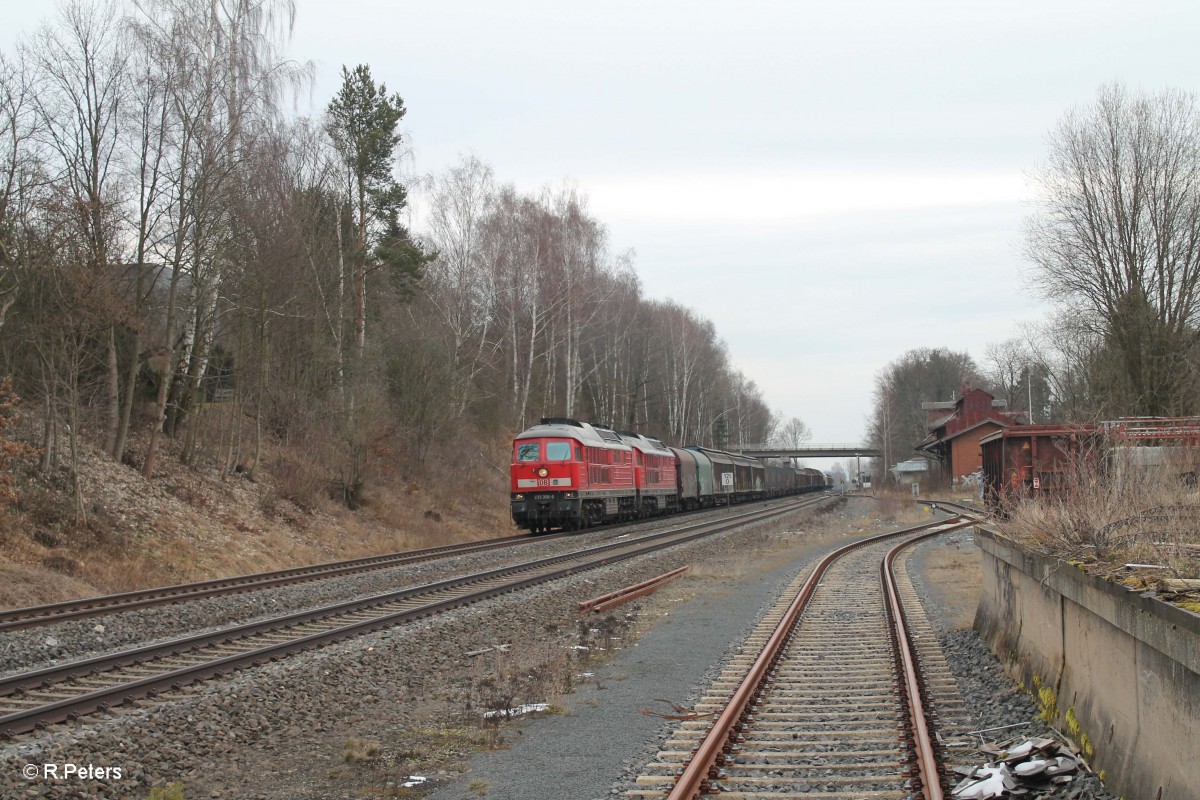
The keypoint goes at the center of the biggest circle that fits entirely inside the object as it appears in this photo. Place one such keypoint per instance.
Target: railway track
(52, 613)
(49, 614)
(35, 699)
(841, 693)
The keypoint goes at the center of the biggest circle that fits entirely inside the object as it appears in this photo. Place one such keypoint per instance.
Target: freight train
(569, 474)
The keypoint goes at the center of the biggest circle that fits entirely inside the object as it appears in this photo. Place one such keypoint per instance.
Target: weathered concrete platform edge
(1115, 669)
(1142, 615)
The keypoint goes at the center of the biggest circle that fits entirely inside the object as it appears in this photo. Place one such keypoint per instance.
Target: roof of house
(933, 439)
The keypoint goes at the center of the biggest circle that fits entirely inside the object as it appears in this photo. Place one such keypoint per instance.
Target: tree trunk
(49, 432)
(263, 366)
(160, 418)
(76, 484)
(113, 404)
(135, 347)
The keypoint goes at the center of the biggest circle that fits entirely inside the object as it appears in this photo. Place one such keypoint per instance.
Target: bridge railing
(805, 446)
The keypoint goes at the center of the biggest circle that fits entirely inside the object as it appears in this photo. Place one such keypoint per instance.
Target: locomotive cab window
(527, 451)
(558, 451)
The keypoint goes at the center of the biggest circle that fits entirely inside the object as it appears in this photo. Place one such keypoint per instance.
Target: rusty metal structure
(621, 596)
(1025, 460)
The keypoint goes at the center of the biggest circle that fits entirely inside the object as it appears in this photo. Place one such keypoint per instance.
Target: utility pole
(1029, 386)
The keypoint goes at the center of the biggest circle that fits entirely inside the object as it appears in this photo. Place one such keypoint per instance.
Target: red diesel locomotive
(570, 474)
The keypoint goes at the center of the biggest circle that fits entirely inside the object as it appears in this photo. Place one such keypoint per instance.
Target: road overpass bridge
(811, 451)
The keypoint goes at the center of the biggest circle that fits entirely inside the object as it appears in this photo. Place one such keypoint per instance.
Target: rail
(51, 613)
(721, 738)
(23, 714)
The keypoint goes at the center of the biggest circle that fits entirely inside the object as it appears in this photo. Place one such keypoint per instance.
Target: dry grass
(29, 586)
(1105, 518)
(356, 751)
(754, 551)
(506, 679)
(952, 570)
(192, 523)
(898, 507)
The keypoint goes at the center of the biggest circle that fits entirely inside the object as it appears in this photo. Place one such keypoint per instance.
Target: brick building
(956, 426)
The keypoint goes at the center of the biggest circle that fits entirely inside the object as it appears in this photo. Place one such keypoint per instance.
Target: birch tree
(457, 281)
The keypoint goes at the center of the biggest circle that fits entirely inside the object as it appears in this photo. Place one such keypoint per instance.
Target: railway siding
(1118, 671)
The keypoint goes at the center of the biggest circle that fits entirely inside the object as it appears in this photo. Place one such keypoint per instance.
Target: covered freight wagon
(724, 473)
(687, 478)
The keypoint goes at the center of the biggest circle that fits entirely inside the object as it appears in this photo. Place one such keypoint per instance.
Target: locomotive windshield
(558, 451)
(527, 451)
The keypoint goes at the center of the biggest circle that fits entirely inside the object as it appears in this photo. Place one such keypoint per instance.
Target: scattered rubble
(1020, 767)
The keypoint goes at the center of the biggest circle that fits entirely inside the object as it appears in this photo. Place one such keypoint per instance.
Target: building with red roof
(956, 426)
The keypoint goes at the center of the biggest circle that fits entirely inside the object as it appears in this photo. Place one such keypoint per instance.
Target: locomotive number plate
(532, 483)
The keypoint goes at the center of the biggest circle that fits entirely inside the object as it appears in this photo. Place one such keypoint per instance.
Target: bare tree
(82, 66)
(223, 75)
(897, 422)
(18, 127)
(1019, 377)
(1117, 238)
(458, 283)
(792, 434)
(145, 162)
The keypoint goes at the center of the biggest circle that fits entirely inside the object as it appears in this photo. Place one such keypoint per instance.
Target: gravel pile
(351, 717)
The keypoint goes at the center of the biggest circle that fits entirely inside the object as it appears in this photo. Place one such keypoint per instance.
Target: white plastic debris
(528, 708)
(1020, 767)
(1035, 767)
(988, 781)
(413, 780)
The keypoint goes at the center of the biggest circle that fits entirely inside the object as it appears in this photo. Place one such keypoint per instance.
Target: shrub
(172, 791)
(10, 451)
(356, 751)
(1106, 512)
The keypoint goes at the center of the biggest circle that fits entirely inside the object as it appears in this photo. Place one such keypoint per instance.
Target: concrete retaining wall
(1117, 671)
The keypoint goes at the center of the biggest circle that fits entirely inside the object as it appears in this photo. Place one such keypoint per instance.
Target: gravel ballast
(995, 699)
(352, 718)
(359, 718)
(51, 645)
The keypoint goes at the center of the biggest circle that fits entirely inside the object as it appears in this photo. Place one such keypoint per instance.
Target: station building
(956, 427)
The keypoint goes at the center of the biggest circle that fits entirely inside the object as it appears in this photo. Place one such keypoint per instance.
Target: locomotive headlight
(518, 496)
(543, 472)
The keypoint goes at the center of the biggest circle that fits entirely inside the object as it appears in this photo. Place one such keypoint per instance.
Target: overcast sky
(832, 184)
